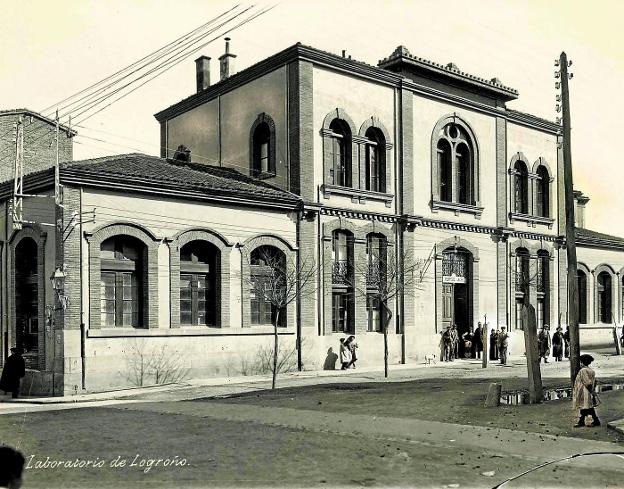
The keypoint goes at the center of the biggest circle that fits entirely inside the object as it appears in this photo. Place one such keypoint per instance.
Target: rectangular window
(264, 157)
(107, 298)
(339, 312)
(519, 319)
(372, 168)
(540, 313)
(373, 309)
(339, 157)
(186, 299)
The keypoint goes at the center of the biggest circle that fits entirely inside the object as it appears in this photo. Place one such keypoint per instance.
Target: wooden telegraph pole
(573, 295)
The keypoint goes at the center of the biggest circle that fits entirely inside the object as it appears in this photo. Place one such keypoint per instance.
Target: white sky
(52, 49)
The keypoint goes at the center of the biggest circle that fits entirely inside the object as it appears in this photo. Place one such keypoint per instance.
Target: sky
(51, 50)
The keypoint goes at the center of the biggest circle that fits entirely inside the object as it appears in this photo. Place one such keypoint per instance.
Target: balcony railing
(340, 272)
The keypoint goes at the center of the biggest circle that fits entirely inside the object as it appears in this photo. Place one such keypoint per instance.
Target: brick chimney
(227, 61)
(580, 202)
(202, 72)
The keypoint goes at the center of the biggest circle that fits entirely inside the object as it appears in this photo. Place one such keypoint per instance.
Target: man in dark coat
(477, 340)
(14, 370)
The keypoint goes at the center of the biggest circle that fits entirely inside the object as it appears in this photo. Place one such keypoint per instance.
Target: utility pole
(18, 183)
(573, 295)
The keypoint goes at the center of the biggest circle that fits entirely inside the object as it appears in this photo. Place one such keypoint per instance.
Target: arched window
(340, 139)
(543, 288)
(603, 283)
(542, 195)
(375, 160)
(445, 169)
(199, 261)
(27, 300)
(376, 256)
(121, 281)
(521, 188)
(263, 162)
(342, 282)
(582, 289)
(522, 281)
(268, 286)
(456, 165)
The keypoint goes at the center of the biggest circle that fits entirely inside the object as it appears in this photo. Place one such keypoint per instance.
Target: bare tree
(278, 280)
(382, 275)
(161, 365)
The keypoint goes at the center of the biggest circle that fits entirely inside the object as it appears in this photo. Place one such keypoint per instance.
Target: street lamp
(58, 284)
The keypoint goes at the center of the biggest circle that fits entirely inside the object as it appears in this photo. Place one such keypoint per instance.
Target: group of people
(348, 357)
(560, 343)
(473, 343)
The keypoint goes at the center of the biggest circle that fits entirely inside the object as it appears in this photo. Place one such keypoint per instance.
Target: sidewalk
(607, 366)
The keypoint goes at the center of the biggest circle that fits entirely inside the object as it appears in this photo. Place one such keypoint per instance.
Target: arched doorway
(27, 301)
(457, 291)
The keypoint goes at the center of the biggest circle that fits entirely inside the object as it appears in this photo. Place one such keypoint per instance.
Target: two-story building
(320, 159)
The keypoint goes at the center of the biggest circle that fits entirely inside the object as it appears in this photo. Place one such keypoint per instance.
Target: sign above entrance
(453, 279)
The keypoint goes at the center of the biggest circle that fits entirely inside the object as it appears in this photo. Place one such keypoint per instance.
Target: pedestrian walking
(477, 340)
(503, 345)
(13, 371)
(566, 339)
(11, 468)
(447, 341)
(584, 392)
(352, 346)
(345, 354)
(543, 343)
(557, 344)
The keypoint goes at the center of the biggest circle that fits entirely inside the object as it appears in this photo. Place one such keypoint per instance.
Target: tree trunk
(275, 349)
(386, 320)
(536, 393)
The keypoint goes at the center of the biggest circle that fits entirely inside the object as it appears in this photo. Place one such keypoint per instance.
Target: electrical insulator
(570, 75)
(557, 85)
(570, 63)
(558, 120)
(557, 74)
(558, 98)
(556, 62)
(558, 108)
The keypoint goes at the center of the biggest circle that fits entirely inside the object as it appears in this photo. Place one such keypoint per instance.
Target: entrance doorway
(27, 301)
(457, 293)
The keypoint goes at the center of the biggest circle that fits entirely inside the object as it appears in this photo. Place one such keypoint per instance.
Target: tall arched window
(375, 160)
(198, 283)
(27, 300)
(603, 283)
(376, 256)
(268, 285)
(543, 288)
(262, 161)
(582, 289)
(521, 188)
(340, 153)
(445, 170)
(121, 281)
(522, 281)
(542, 195)
(342, 282)
(456, 165)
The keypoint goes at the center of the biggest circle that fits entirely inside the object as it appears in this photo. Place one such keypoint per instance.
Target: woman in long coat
(494, 344)
(557, 344)
(566, 339)
(14, 370)
(543, 343)
(583, 393)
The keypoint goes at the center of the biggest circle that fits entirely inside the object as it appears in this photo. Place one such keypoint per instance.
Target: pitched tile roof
(151, 171)
(582, 233)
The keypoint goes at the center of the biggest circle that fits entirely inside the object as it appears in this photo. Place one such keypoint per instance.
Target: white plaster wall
(360, 99)
(427, 113)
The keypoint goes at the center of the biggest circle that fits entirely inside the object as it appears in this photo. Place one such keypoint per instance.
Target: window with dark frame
(373, 313)
(456, 165)
(603, 283)
(121, 282)
(375, 160)
(268, 277)
(262, 161)
(521, 188)
(542, 186)
(342, 282)
(198, 284)
(340, 153)
(582, 288)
